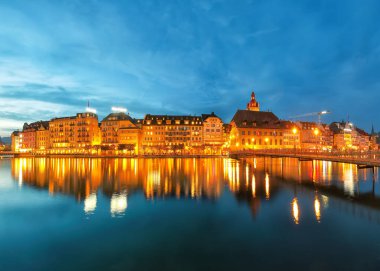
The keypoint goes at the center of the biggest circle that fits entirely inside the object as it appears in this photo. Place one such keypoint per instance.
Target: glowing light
(295, 211)
(267, 192)
(119, 109)
(90, 204)
(294, 130)
(317, 209)
(316, 132)
(91, 110)
(253, 186)
(118, 204)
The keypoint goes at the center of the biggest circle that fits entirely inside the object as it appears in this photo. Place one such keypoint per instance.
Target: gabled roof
(247, 118)
(36, 125)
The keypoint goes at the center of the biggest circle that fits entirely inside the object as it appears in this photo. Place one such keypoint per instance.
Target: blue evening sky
(189, 57)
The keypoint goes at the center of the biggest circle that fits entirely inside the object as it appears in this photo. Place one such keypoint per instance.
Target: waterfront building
(254, 129)
(27, 138)
(168, 134)
(314, 136)
(120, 132)
(373, 140)
(213, 135)
(291, 135)
(42, 138)
(348, 137)
(74, 134)
(15, 141)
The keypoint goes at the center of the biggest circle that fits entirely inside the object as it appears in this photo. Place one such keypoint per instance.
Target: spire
(253, 105)
(372, 130)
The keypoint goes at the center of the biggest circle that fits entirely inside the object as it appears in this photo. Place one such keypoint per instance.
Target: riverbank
(25, 155)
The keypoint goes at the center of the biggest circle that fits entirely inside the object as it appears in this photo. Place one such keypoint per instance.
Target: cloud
(188, 57)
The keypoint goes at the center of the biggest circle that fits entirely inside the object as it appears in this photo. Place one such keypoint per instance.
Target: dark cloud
(185, 57)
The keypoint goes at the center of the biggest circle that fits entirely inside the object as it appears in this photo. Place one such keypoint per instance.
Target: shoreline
(116, 156)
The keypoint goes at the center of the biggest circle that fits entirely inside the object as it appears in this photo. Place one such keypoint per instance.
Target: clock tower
(253, 105)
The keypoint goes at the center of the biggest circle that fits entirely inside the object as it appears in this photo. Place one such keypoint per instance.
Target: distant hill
(5, 140)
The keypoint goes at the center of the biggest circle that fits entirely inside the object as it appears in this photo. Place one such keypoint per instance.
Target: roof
(118, 116)
(36, 125)
(197, 120)
(206, 116)
(362, 132)
(248, 118)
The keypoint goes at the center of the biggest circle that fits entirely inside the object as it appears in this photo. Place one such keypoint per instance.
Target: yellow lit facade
(213, 134)
(172, 134)
(119, 132)
(75, 134)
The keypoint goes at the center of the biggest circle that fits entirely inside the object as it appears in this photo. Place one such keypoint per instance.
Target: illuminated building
(120, 132)
(75, 134)
(349, 137)
(256, 130)
(166, 133)
(42, 138)
(315, 136)
(373, 140)
(15, 139)
(213, 134)
(291, 135)
(28, 140)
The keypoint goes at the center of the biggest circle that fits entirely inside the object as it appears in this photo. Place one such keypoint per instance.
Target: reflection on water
(295, 211)
(250, 181)
(317, 209)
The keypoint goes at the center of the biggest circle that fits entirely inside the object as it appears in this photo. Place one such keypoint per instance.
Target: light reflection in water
(118, 204)
(20, 173)
(295, 211)
(317, 208)
(188, 178)
(90, 204)
(267, 192)
(349, 184)
(253, 186)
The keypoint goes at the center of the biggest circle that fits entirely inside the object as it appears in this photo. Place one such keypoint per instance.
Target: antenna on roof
(89, 109)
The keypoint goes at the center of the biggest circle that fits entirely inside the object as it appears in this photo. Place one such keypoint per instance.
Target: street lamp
(266, 142)
(294, 137)
(316, 133)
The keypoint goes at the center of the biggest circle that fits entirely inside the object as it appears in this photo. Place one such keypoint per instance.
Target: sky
(189, 57)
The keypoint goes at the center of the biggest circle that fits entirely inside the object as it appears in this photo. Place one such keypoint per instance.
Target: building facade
(119, 132)
(163, 134)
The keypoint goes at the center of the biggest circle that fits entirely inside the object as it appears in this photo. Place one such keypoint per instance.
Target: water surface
(187, 214)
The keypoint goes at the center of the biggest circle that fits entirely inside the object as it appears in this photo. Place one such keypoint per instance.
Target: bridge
(6, 154)
(368, 159)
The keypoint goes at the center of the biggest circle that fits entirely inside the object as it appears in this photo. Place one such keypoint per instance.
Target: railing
(359, 156)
